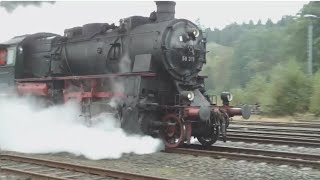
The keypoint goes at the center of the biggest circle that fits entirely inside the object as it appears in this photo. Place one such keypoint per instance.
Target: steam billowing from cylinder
(35, 129)
(10, 6)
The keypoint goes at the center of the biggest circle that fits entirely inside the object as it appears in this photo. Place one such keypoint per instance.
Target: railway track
(49, 169)
(307, 121)
(279, 124)
(274, 129)
(268, 133)
(275, 157)
(272, 139)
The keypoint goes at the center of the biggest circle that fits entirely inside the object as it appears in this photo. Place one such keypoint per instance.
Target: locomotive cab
(7, 55)
(7, 64)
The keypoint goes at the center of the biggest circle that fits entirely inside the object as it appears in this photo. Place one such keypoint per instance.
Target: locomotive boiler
(144, 71)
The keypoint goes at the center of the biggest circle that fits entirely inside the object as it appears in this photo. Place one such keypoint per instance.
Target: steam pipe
(244, 111)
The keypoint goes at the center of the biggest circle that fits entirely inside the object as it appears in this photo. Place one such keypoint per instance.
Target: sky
(62, 15)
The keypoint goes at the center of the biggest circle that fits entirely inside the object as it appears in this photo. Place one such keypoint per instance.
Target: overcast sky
(61, 15)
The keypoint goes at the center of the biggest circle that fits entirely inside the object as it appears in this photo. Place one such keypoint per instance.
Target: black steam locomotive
(144, 71)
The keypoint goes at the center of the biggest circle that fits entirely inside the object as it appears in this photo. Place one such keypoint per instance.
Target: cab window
(3, 57)
(7, 56)
(11, 55)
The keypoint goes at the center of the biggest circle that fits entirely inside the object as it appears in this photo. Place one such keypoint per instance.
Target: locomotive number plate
(188, 59)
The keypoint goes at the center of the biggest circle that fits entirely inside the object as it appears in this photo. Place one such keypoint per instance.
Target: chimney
(165, 10)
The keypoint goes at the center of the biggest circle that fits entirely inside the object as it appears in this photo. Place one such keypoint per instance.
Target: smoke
(10, 6)
(117, 86)
(27, 127)
(125, 63)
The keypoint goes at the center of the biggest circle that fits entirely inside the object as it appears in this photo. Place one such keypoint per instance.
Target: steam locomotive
(144, 71)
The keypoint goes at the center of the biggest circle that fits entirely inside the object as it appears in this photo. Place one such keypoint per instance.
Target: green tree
(255, 90)
(239, 96)
(297, 40)
(251, 23)
(217, 67)
(259, 23)
(257, 52)
(269, 23)
(288, 91)
(312, 7)
(315, 96)
(200, 26)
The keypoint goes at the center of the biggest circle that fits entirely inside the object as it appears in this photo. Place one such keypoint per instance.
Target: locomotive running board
(144, 74)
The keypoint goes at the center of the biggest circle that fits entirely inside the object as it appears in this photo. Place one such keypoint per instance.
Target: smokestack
(165, 10)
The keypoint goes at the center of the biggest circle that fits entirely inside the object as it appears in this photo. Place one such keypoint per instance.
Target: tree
(312, 7)
(266, 63)
(200, 26)
(217, 67)
(285, 20)
(213, 36)
(251, 24)
(269, 23)
(315, 96)
(289, 90)
(259, 23)
(296, 33)
(257, 52)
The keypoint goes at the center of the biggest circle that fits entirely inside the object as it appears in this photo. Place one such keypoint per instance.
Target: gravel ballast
(178, 166)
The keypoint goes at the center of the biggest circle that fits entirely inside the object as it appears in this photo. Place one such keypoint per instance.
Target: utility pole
(310, 47)
(310, 41)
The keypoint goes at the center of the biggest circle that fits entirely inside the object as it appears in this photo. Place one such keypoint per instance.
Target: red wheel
(173, 133)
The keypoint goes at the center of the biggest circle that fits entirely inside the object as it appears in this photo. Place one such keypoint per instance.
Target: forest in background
(267, 63)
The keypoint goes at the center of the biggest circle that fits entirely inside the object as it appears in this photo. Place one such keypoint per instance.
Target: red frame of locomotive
(39, 87)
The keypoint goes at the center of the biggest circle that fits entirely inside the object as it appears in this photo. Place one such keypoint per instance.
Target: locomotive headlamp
(189, 95)
(226, 97)
(193, 33)
(196, 32)
(20, 49)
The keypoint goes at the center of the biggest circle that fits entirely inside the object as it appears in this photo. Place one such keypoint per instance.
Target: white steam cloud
(26, 127)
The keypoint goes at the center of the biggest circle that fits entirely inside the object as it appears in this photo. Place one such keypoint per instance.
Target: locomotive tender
(145, 71)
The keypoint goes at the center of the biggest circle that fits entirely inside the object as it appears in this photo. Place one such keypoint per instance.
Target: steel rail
(30, 174)
(272, 141)
(284, 154)
(270, 137)
(67, 166)
(307, 121)
(276, 129)
(278, 124)
(275, 133)
(252, 155)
